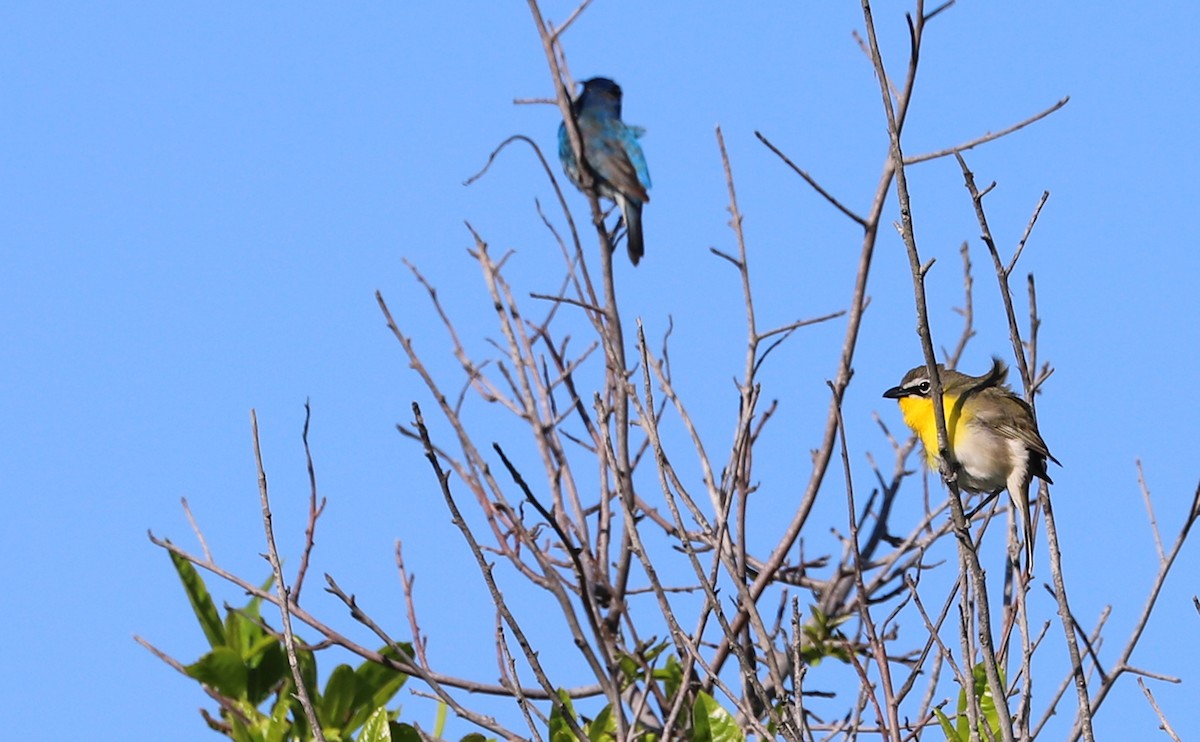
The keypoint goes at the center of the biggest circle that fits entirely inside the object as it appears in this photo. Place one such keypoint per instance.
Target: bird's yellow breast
(918, 415)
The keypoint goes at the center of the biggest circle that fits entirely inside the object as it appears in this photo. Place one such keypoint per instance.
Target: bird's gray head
(914, 384)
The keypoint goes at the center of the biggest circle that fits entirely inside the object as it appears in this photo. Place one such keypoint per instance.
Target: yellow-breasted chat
(992, 433)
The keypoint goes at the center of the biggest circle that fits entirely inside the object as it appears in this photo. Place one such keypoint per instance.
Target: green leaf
(376, 685)
(604, 727)
(633, 666)
(222, 670)
(268, 667)
(376, 729)
(560, 730)
(252, 608)
(279, 727)
(244, 633)
(987, 702)
(202, 603)
(711, 723)
(629, 668)
(241, 633)
(308, 672)
(337, 700)
(652, 653)
(243, 733)
(671, 675)
(403, 732)
(821, 638)
(439, 719)
(947, 727)
(964, 720)
(379, 682)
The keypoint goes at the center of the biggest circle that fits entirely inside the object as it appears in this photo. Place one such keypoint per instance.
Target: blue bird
(612, 154)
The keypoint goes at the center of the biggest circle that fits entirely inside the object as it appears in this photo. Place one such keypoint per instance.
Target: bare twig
(406, 582)
(1122, 664)
(1028, 230)
(1061, 690)
(314, 510)
(187, 510)
(485, 571)
(967, 311)
(914, 159)
(284, 603)
(811, 181)
(1166, 725)
(877, 647)
(571, 18)
(1141, 477)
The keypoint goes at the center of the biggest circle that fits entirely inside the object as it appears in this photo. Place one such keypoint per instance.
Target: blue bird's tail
(631, 210)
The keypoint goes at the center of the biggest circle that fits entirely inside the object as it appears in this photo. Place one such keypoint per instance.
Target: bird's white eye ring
(923, 387)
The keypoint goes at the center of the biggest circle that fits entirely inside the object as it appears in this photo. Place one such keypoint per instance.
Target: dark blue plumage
(612, 154)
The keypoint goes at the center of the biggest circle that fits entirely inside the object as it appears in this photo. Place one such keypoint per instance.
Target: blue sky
(198, 203)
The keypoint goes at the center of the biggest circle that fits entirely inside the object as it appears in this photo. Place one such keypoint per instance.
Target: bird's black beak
(895, 393)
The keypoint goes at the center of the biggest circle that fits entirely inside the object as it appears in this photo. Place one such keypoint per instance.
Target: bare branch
(913, 160)
(571, 19)
(967, 311)
(284, 602)
(1165, 725)
(1122, 663)
(485, 571)
(1141, 476)
(187, 510)
(811, 181)
(314, 509)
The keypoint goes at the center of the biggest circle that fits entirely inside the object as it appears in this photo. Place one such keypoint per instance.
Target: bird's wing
(637, 158)
(1013, 422)
(616, 156)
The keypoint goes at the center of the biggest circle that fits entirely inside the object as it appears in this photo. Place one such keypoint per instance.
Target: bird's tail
(1024, 509)
(632, 211)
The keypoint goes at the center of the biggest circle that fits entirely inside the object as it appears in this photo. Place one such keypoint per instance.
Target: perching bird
(991, 433)
(612, 154)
